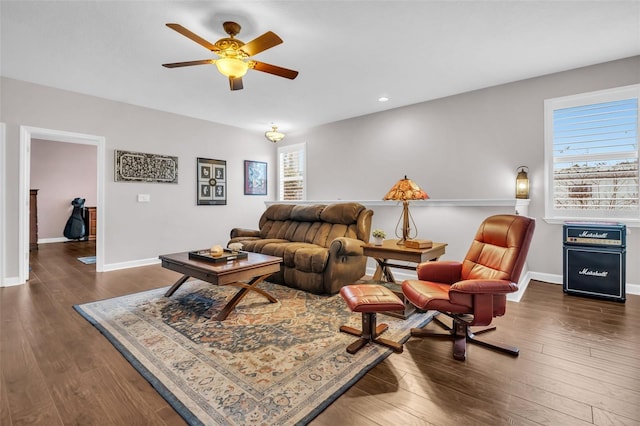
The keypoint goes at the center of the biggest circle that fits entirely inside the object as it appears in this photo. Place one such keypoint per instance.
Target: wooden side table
(390, 250)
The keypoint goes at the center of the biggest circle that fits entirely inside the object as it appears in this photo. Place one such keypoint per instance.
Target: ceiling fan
(234, 56)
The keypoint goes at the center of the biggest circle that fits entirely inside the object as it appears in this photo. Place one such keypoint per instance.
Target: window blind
(291, 176)
(595, 158)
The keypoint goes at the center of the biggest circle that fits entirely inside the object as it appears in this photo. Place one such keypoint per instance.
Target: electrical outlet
(144, 198)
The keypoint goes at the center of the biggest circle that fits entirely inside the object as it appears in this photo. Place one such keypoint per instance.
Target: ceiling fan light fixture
(232, 67)
(235, 55)
(274, 135)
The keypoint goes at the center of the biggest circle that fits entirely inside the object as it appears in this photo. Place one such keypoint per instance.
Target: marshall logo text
(588, 234)
(589, 272)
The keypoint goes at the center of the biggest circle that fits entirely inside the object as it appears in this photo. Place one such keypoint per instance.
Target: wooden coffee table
(255, 268)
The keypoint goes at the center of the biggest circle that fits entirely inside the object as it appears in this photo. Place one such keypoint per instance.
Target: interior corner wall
(466, 146)
(171, 221)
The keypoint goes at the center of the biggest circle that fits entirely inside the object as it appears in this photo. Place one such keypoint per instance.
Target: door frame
(3, 192)
(27, 133)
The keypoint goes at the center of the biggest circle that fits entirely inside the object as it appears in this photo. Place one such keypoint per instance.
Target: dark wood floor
(579, 361)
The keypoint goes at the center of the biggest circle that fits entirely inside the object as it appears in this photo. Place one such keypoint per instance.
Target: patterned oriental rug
(267, 363)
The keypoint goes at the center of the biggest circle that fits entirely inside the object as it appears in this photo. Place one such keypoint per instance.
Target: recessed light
(383, 99)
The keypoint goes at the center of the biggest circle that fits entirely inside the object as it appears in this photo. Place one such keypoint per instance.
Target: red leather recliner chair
(473, 292)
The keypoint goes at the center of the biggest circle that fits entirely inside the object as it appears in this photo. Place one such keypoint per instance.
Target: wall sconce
(274, 135)
(522, 183)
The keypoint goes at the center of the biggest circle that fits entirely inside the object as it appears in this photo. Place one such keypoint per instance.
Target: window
(292, 161)
(591, 155)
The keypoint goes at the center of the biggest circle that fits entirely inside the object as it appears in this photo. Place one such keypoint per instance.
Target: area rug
(89, 260)
(267, 363)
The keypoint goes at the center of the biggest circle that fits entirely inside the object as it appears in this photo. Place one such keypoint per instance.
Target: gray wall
(465, 146)
(460, 147)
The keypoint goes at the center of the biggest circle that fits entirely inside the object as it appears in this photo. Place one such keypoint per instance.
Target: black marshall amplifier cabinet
(594, 260)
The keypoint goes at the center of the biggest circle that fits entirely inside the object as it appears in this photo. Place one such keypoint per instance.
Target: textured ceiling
(348, 53)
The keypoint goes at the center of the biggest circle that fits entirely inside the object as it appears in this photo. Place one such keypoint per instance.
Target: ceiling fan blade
(235, 83)
(185, 32)
(275, 70)
(262, 43)
(189, 63)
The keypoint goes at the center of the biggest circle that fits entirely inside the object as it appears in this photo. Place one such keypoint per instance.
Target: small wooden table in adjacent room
(255, 268)
(390, 250)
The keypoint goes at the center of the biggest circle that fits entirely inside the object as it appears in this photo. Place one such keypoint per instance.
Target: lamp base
(406, 218)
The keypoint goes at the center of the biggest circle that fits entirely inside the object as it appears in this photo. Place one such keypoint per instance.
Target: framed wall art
(211, 182)
(141, 167)
(255, 178)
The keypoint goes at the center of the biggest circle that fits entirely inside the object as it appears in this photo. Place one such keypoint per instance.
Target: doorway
(28, 133)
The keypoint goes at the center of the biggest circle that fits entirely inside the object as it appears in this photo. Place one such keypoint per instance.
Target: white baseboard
(130, 264)
(10, 282)
(53, 240)
(547, 278)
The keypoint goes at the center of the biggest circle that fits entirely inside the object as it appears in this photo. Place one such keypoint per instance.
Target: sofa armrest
(443, 271)
(346, 264)
(241, 232)
(484, 286)
(344, 246)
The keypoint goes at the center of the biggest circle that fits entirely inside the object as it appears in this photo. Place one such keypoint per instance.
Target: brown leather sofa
(321, 245)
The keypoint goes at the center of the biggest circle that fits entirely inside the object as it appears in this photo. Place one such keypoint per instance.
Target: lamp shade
(274, 135)
(232, 67)
(405, 189)
(522, 183)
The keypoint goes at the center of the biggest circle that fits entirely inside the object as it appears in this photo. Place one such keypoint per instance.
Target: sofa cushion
(278, 212)
(257, 246)
(303, 256)
(306, 257)
(346, 213)
(274, 247)
(297, 231)
(276, 229)
(310, 258)
(307, 213)
(328, 232)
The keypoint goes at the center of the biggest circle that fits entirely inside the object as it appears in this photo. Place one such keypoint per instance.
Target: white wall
(139, 232)
(464, 146)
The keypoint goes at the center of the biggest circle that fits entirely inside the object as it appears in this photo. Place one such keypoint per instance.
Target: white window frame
(301, 147)
(550, 105)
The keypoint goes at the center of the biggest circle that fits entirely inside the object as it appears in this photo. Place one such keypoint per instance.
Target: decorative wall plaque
(211, 182)
(140, 167)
